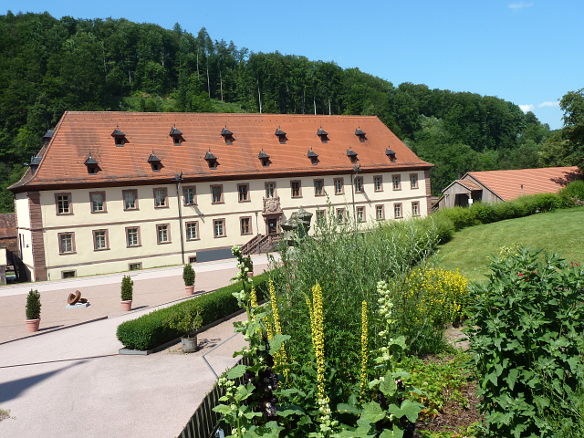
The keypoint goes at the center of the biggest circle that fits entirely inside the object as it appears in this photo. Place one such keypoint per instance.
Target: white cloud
(549, 103)
(520, 5)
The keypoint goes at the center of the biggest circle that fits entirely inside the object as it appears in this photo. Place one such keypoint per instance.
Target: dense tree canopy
(48, 66)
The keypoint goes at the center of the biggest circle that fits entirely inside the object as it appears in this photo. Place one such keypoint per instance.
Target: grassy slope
(561, 232)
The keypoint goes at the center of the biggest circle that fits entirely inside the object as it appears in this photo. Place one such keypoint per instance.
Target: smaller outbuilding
(505, 185)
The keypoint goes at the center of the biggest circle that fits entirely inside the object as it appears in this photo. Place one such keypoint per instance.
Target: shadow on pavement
(15, 388)
(51, 327)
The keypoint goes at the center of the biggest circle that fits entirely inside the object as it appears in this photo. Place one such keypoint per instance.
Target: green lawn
(561, 231)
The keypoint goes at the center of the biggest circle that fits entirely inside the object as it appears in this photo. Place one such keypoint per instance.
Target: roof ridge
(179, 113)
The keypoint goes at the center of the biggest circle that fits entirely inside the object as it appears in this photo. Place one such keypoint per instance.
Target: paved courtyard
(151, 288)
(71, 382)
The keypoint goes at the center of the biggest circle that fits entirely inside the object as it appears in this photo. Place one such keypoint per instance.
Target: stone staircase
(261, 244)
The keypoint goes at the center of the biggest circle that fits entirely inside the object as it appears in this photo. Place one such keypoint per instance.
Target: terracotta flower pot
(189, 290)
(32, 325)
(126, 305)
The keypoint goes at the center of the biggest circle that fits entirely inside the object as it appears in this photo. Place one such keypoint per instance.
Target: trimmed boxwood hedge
(152, 330)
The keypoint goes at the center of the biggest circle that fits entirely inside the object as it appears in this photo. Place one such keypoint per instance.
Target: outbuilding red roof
(511, 184)
(80, 135)
(8, 225)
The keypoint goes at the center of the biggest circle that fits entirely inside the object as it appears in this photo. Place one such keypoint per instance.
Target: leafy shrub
(426, 300)
(187, 321)
(188, 275)
(33, 305)
(153, 329)
(528, 322)
(127, 288)
(574, 190)
(484, 213)
(461, 217)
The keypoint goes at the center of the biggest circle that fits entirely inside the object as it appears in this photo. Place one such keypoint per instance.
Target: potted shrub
(189, 279)
(187, 323)
(33, 310)
(127, 292)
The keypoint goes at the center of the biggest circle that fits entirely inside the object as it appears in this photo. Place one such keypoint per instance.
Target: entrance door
(272, 225)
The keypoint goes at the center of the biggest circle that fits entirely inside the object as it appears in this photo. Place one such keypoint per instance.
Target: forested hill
(48, 66)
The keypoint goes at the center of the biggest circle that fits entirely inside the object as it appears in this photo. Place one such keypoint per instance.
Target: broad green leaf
(344, 408)
(394, 433)
(372, 413)
(276, 343)
(222, 409)
(388, 387)
(408, 408)
(236, 372)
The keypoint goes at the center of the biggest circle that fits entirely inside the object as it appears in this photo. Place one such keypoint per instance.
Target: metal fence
(204, 422)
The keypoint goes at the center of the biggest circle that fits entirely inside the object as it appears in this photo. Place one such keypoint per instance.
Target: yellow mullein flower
(364, 350)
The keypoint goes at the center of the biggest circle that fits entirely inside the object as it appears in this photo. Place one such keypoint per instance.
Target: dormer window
(323, 135)
(119, 137)
(92, 166)
(211, 160)
(264, 158)
(227, 135)
(390, 154)
(47, 137)
(361, 135)
(155, 163)
(177, 137)
(34, 163)
(281, 136)
(352, 155)
(313, 157)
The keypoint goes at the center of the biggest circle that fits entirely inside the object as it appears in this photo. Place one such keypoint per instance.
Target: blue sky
(525, 51)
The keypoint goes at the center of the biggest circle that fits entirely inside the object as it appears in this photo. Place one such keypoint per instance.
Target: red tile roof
(82, 134)
(8, 225)
(469, 184)
(510, 184)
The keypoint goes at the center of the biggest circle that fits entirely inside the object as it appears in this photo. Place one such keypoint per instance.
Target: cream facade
(88, 238)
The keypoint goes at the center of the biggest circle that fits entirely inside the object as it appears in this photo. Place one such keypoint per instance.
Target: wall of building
(85, 260)
(488, 196)
(23, 224)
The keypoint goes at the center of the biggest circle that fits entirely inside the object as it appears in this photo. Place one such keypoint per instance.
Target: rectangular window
(361, 214)
(341, 214)
(413, 180)
(320, 216)
(192, 259)
(358, 184)
(160, 197)
(415, 208)
(66, 243)
(64, 204)
(319, 187)
(192, 229)
(243, 191)
(68, 274)
(134, 266)
(396, 180)
(245, 225)
(270, 189)
(190, 195)
(379, 212)
(397, 211)
(163, 233)
(217, 194)
(296, 189)
(132, 236)
(219, 227)
(378, 183)
(339, 186)
(97, 200)
(100, 240)
(130, 199)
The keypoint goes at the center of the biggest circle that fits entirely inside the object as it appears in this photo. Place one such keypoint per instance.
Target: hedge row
(151, 330)
(484, 213)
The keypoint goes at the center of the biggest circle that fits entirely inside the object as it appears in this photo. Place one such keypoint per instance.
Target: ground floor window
(66, 243)
(135, 266)
(192, 230)
(68, 274)
(219, 227)
(245, 225)
(415, 208)
(361, 214)
(397, 211)
(379, 213)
